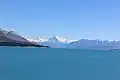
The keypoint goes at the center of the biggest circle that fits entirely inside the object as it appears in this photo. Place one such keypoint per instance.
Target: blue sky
(74, 19)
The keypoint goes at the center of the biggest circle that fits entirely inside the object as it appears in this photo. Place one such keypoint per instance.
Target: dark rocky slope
(12, 39)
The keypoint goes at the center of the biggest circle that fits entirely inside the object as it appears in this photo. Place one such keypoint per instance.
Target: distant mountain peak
(54, 38)
(57, 39)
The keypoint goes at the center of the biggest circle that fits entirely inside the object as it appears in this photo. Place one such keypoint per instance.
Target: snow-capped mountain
(60, 42)
(94, 44)
(54, 41)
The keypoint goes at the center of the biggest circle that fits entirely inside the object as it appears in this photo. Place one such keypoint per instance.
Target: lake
(58, 64)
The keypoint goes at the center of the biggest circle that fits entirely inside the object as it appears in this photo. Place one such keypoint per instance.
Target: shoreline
(15, 44)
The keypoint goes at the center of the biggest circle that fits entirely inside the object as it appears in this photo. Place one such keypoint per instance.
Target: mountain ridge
(10, 38)
(58, 42)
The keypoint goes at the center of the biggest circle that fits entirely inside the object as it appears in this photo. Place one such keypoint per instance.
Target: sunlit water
(58, 64)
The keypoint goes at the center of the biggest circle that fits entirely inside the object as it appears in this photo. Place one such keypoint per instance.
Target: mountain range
(60, 42)
(11, 38)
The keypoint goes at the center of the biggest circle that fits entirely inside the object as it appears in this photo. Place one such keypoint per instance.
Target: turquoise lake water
(58, 64)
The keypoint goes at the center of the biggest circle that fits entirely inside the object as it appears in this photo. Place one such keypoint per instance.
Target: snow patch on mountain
(55, 39)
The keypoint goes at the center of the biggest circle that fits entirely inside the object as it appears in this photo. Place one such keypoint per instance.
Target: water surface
(58, 64)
